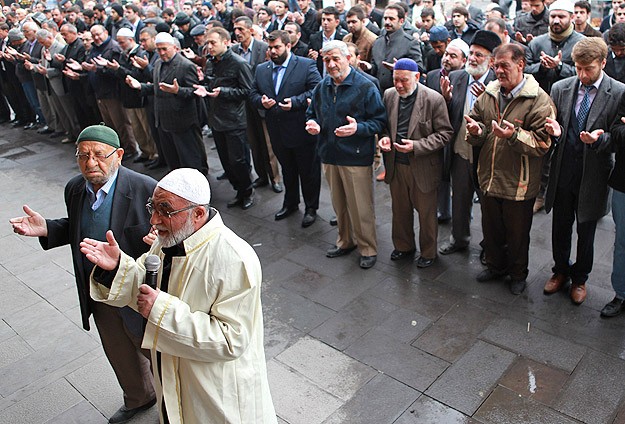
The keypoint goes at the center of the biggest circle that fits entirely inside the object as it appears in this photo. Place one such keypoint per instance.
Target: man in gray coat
(581, 163)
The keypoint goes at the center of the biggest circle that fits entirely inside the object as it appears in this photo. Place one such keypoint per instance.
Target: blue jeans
(618, 266)
(31, 95)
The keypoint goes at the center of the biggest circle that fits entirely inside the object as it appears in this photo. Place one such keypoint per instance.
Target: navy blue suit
(293, 146)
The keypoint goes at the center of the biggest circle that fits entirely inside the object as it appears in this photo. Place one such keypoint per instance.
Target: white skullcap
(164, 38)
(126, 32)
(459, 44)
(187, 183)
(565, 5)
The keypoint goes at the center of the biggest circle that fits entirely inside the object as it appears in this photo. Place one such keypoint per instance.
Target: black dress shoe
(310, 216)
(449, 248)
(335, 252)
(517, 287)
(333, 221)
(156, 164)
(284, 212)
(489, 275)
(18, 123)
(260, 183)
(425, 262)
(30, 126)
(222, 177)
(56, 134)
(443, 220)
(613, 308)
(398, 255)
(247, 201)
(45, 130)
(277, 187)
(367, 262)
(141, 159)
(124, 414)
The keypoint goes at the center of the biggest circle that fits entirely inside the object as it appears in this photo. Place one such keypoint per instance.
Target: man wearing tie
(281, 88)
(581, 162)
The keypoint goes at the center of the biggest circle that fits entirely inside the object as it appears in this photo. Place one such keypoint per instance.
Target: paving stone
(535, 344)
(12, 350)
(39, 407)
(326, 367)
(15, 296)
(426, 410)
(590, 394)
(81, 413)
(353, 321)
(293, 309)
(620, 417)
(462, 277)
(332, 267)
(404, 325)
(12, 247)
(455, 332)
(534, 380)
(279, 336)
(279, 271)
(401, 361)
(6, 332)
(466, 384)
(296, 399)
(347, 287)
(48, 280)
(306, 282)
(381, 401)
(505, 406)
(431, 300)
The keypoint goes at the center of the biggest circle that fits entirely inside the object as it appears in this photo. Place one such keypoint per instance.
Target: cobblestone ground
(394, 344)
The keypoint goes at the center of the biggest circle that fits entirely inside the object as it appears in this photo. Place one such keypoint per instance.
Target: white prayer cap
(187, 183)
(565, 5)
(459, 44)
(164, 38)
(125, 32)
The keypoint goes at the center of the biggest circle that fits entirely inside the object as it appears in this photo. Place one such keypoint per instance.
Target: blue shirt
(96, 199)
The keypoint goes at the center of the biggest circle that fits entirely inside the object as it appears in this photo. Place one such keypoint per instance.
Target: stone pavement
(393, 344)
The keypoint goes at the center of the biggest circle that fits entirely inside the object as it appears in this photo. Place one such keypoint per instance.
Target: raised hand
(133, 83)
(169, 88)
(590, 137)
(286, 104)
(446, 88)
(385, 144)
(31, 225)
(505, 130)
(103, 254)
(553, 127)
(267, 102)
(312, 127)
(473, 127)
(347, 130)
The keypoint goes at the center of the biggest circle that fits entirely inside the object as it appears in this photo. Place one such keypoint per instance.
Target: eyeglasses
(153, 209)
(100, 157)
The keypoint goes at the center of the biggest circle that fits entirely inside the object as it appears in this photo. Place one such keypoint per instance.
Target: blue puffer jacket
(356, 97)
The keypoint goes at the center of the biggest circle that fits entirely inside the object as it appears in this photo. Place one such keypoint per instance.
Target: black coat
(316, 43)
(129, 222)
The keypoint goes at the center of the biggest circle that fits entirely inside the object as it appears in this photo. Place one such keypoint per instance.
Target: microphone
(152, 264)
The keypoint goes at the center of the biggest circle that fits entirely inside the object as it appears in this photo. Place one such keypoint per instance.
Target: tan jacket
(208, 328)
(511, 168)
(429, 129)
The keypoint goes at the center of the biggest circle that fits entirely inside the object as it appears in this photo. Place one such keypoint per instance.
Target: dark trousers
(258, 144)
(300, 166)
(564, 215)
(17, 99)
(124, 353)
(234, 154)
(184, 149)
(506, 226)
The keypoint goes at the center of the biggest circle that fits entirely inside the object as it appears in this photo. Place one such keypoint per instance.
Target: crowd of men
(449, 106)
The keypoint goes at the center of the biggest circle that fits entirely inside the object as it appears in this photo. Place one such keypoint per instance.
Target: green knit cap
(100, 133)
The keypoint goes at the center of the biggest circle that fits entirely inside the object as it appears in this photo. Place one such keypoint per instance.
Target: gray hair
(44, 33)
(71, 28)
(336, 44)
(30, 25)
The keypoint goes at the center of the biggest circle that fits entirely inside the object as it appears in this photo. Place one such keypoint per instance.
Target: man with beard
(204, 328)
(358, 32)
(394, 44)
(105, 197)
(532, 24)
(284, 99)
(461, 89)
(549, 60)
(508, 121)
(418, 127)
(346, 111)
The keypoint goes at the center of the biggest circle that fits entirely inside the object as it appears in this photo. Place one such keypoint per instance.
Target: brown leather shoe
(555, 283)
(578, 293)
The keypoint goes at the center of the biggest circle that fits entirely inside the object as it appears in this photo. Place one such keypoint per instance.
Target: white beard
(177, 237)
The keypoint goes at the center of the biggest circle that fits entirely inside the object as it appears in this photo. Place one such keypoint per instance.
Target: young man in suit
(106, 196)
(281, 88)
(581, 163)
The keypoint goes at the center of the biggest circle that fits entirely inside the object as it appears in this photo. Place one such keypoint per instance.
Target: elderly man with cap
(418, 128)
(204, 317)
(461, 89)
(508, 122)
(172, 84)
(106, 196)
